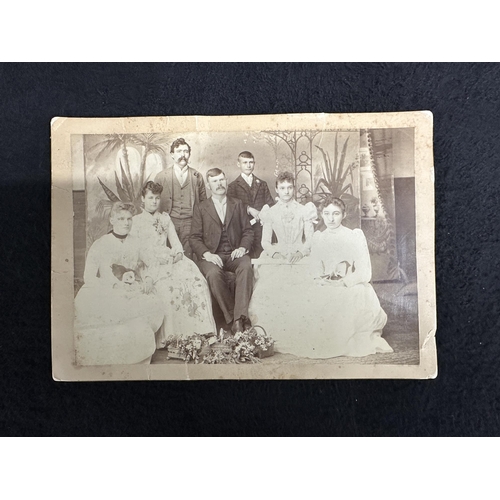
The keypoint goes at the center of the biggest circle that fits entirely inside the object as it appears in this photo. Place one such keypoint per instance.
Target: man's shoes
(246, 323)
(237, 326)
(242, 324)
(228, 327)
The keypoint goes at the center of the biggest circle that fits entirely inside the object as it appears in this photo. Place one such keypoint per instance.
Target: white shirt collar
(247, 178)
(181, 174)
(180, 170)
(220, 203)
(220, 208)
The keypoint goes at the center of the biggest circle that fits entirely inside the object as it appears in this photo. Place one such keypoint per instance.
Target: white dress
(341, 318)
(292, 224)
(277, 285)
(186, 301)
(113, 327)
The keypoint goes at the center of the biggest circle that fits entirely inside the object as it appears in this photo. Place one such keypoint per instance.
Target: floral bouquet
(188, 349)
(249, 346)
(262, 341)
(192, 348)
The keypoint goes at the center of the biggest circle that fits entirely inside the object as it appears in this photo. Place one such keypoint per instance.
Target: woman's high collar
(337, 230)
(285, 203)
(119, 236)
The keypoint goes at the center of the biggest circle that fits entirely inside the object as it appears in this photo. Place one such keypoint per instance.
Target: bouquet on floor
(249, 346)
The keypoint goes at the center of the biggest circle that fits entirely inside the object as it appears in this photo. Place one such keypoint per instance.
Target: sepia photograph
(275, 246)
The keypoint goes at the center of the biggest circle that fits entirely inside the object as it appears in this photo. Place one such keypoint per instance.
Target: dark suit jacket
(166, 179)
(206, 227)
(241, 190)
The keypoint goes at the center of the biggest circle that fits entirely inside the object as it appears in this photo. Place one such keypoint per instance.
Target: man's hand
(253, 212)
(295, 257)
(213, 258)
(277, 255)
(178, 257)
(148, 284)
(239, 252)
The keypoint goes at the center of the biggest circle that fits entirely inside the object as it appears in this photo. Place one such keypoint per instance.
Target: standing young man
(183, 187)
(254, 193)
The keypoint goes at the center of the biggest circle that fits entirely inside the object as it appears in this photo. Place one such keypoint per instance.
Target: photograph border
(62, 291)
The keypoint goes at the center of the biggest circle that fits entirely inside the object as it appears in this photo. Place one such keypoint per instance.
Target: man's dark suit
(256, 197)
(206, 233)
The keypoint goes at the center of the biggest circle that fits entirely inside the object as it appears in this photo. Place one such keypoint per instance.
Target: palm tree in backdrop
(150, 143)
(125, 189)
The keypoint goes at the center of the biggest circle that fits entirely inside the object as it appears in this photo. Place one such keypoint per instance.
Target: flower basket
(187, 349)
(216, 346)
(249, 346)
(264, 353)
(175, 352)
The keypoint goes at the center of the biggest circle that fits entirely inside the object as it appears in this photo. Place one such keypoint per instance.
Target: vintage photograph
(280, 246)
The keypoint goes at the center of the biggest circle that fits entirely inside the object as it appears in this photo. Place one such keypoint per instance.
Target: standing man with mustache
(221, 238)
(183, 187)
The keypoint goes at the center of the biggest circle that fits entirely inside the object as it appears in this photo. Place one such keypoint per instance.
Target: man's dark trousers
(231, 306)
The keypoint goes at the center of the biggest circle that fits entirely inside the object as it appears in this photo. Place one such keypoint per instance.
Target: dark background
(463, 400)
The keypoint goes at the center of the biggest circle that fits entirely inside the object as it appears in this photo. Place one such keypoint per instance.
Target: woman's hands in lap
(329, 282)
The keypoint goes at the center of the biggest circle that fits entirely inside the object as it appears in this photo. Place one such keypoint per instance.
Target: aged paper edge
(62, 293)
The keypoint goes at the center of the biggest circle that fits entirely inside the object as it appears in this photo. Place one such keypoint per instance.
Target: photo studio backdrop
(371, 170)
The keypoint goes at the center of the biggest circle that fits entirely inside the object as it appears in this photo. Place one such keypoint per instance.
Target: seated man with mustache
(221, 237)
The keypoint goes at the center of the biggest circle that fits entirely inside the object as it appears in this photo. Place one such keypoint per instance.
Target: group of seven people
(156, 274)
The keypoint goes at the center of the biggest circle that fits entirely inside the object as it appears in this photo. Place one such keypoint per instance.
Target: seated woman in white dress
(283, 266)
(291, 222)
(186, 302)
(115, 317)
(340, 314)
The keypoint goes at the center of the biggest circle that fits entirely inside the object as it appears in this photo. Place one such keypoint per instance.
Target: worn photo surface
(298, 246)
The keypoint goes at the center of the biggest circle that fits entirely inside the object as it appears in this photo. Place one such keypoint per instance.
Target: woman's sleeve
(92, 265)
(173, 239)
(134, 231)
(98, 261)
(150, 272)
(148, 265)
(267, 230)
(317, 268)
(361, 261)
(309, 215)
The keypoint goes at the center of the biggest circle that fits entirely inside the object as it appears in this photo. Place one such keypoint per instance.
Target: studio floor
(401, 332)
